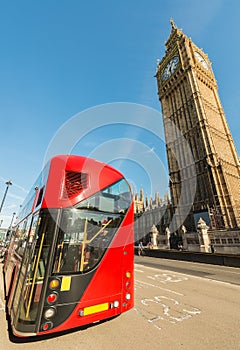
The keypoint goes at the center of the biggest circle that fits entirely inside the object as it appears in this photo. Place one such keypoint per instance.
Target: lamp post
(8, 183)
(10, 227)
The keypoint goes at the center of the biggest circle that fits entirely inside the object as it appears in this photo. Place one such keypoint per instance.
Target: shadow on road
(33, 339)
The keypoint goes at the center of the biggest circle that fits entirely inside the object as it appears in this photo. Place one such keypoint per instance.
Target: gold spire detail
(173, 24)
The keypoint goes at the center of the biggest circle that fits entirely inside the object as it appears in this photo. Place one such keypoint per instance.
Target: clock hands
(173, 63)
(170, 68)
(201, 60)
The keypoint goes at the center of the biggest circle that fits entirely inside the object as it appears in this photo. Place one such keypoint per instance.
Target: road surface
(178, 305)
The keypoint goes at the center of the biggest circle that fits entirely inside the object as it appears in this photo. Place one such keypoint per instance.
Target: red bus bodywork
(42, 294)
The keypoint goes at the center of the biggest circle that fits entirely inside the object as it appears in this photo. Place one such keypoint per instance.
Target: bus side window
(22, 236)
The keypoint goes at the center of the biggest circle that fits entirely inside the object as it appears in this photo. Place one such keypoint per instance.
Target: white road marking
(153, 285)
(159, 309)
(168, 277)
(137, 270)
(196, 277)
(166, 309)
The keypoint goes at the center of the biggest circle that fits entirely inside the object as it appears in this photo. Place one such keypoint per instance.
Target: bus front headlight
(49, 313)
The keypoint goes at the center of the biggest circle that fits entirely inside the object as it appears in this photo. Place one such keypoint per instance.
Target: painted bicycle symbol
(162, 308)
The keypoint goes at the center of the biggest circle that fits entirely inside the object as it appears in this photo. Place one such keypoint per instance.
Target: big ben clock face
(201, 60)
(170, 67)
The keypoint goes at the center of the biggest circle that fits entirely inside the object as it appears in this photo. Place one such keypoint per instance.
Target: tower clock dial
(201, 60)
(170, 67)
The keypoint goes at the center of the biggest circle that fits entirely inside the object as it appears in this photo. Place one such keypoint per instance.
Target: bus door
(15, 256)
(30, 282)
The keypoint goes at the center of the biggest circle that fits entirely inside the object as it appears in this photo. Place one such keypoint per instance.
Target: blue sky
(59, 58)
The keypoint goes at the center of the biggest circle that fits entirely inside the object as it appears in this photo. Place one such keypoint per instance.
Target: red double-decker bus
(70, 258)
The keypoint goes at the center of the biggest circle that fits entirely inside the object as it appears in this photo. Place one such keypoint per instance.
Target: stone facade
(209, 164)
(152, 212)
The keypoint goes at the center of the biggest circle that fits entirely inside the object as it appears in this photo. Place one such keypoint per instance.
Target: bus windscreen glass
(86, 231)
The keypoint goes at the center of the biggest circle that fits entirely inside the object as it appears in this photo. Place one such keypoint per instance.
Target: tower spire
(173, 24)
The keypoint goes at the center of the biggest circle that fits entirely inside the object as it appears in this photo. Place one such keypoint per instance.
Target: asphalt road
(178, 305)
(213, 272)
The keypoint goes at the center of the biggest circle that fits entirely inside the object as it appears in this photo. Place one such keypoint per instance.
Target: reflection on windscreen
(113, 199)
(86, 231)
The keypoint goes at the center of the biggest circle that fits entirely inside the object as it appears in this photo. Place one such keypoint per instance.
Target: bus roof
(67, 180)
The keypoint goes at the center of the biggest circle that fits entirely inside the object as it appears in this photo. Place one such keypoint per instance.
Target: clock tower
(188, 94)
